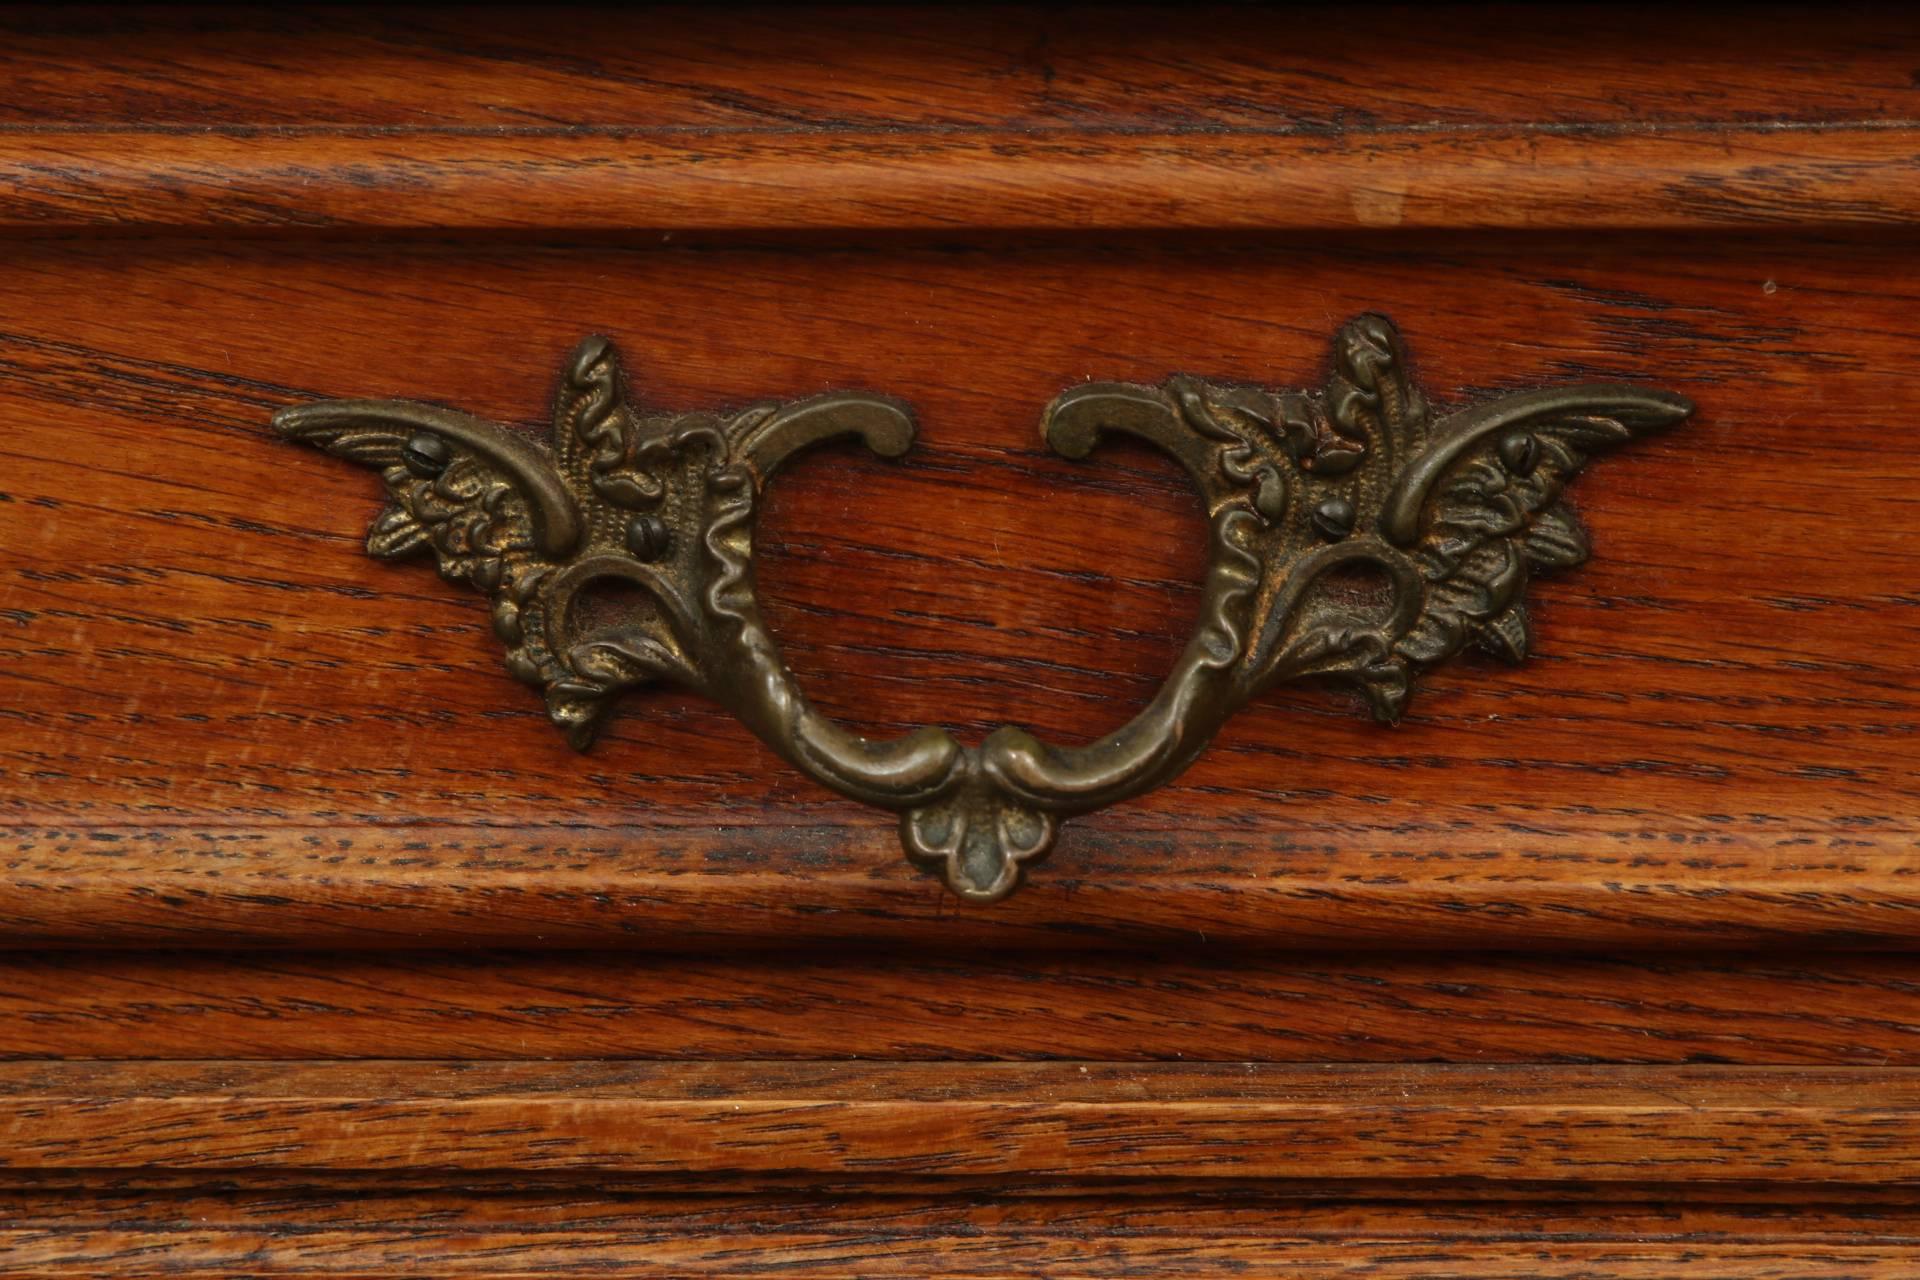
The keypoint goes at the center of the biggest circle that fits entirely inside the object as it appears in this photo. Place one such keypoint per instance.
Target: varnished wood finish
(231, 724)
(1197, 1004)
(546, 181)
(140, 1233)
(320, 954)
(954, 67)
(1065, 1120)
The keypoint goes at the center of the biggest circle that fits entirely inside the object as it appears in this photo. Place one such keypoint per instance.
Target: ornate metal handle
(1353, 537)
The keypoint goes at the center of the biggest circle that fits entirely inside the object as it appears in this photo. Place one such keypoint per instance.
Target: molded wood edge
(379, 1256)
(150, 1231)
(829, 1002)
(669, 890)
(1705, 178)
(1066, 1119)
(481, 1247)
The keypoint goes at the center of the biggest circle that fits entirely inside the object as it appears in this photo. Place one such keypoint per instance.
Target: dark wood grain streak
(1069, 1120)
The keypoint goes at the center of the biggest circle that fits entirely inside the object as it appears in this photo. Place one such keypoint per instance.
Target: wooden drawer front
(321, 948)
(221, 700)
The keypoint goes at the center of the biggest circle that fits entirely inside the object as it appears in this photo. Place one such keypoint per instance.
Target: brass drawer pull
(1301, 488)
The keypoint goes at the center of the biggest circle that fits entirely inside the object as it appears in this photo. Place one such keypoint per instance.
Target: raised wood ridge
(697, 887)
(1184, 1003)
(75, 1229)
(559, 181)
(1063, 1119)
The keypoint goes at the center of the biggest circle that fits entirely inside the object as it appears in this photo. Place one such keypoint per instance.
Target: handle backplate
(1354, 536)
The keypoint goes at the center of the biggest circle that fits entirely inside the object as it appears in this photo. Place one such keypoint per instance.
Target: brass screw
(648, 537)
(426, 454)
(1333, 519)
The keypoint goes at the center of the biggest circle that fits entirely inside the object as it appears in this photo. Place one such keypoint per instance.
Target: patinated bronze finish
(1354, 537)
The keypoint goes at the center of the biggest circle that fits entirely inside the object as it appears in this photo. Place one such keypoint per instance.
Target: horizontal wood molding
(371, 1232)
(957, 66)
(1730, 177)
(1186, 1003)
(1225, 1121)
(445, 886)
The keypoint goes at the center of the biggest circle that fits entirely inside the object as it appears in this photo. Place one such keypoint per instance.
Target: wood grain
(546, 182)
(1067, 1120)
(321, 955)
(1202, 1004)
(953, 122)
(973, 1235)
(227, 724)
(384, 1233)
(807, 67)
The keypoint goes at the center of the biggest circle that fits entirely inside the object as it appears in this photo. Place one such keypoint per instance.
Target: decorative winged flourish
(1354, 538)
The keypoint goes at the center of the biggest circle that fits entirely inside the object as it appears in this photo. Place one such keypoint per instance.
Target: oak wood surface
(1007, 118)
(380, 1232)
(810, 67)
(320, 954)
(1067, 1120)
(1201, 1004)
(1726, 177)
(228, 723)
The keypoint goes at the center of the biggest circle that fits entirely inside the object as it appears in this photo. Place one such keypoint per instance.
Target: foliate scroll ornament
(1354, 537)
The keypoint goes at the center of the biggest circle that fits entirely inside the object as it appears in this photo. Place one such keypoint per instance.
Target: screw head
(1519, 451)
(426, 454)
(1333, 519)
(648, 537)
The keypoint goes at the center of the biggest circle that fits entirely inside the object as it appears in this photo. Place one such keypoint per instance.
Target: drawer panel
(229, 722)
(321, 950)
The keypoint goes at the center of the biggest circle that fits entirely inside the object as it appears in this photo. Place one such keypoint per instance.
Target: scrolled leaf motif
(1449, 520)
